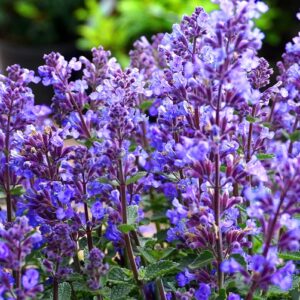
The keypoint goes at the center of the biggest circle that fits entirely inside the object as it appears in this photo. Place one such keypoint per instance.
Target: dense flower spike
(175, 178)
(17, 242)
(16, 112)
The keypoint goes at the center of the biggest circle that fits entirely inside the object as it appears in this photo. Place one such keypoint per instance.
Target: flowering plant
(176, 178)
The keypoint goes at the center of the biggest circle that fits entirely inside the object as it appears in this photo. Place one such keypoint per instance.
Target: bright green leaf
(262, 156)
(290, 256)
(18, 190)
(146, 105)
(126, 228)
(295, 136)
(136, 177)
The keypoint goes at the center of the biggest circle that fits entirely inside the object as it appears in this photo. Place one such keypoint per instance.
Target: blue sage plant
(176, 178)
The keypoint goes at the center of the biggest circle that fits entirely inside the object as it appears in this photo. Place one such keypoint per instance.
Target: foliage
(39, 22)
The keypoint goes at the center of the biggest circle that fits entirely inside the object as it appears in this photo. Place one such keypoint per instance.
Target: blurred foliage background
(39, 22)
(116, 24)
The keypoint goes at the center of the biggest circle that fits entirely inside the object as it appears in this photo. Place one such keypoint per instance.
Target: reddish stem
(217, 208)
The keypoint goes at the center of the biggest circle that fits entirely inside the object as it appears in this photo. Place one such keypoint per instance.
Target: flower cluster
(175, 178)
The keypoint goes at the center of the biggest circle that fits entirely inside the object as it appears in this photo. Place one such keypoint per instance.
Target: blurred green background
(116, 24)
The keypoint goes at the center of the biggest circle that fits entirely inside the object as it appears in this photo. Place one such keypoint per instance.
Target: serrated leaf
(126, 228)
(262, 156)
(158, 269)
(79, 286)
(75, 277)
(290, 256)
(153, 256)
(136, 177)
(121, 291)
(106, 292)
(202, 260)
(119, 275)
(132, 214)
(295, 136)
(64, 291)
(147, 255)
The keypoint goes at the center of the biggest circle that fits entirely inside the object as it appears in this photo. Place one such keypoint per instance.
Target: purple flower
(284, 276)
(177, 214)
(4, 251)
(97, 210)
(170, 190)
(30, 279)
(185, 278)
(233, 296)
(203, 292)
(231, 266)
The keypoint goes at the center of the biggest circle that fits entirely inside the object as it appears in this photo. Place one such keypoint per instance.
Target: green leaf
(295, 136)
(146, 105)
(262, 156)
(152, 256)
(202, 260)
(86, 106)
(268, 125)
(290, 256)
(121, 291)
(222, 295)
(240, 259)
(119, 275)
(136, 177)
(147, 255)
(158, 269)
(251, 119)
(64, 291)
(126, 228)
(27, 10)
(18, 190)
(132, 214)
(79, 286)
(223, 168)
